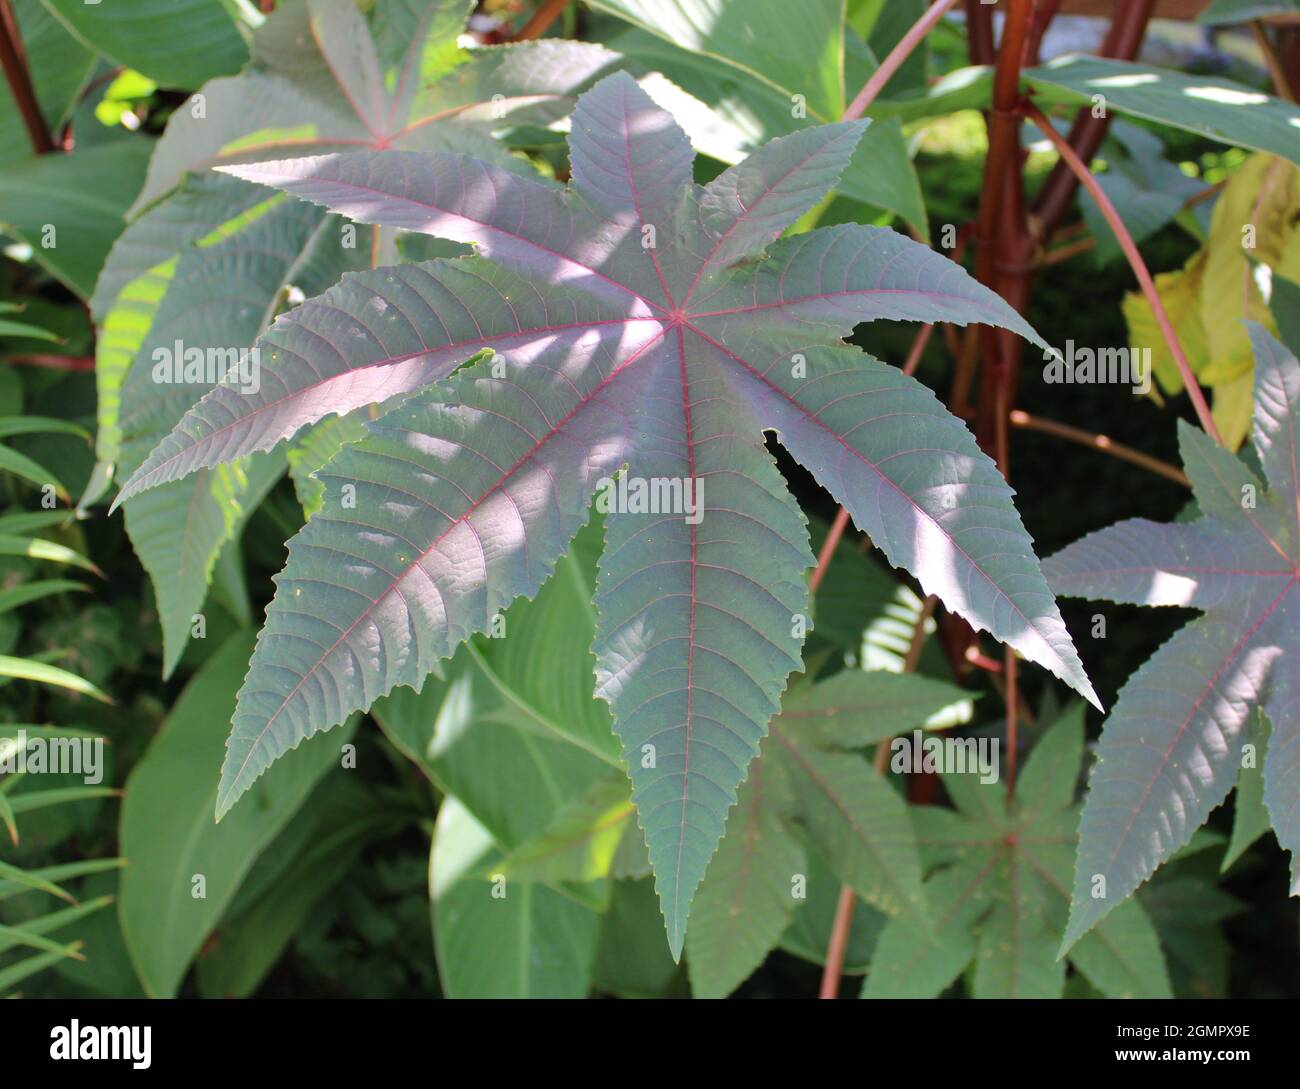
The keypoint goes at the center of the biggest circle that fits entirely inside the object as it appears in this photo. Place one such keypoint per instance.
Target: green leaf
(32, 932)
(168, 834)
(28, 669)
(24, 969)
(756, 38)
(178, 43)
(1217, 108)
(69, 207)
(13, 884)
(526, 941)
(37, 548)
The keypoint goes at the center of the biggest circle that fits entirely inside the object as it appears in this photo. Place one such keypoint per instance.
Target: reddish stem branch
(14, 60)
(1139, 267)
(906, 44)
(828, 549)
(541, 21)
(1103, 443)
(838, 943)
(918, 349)
(979, 32)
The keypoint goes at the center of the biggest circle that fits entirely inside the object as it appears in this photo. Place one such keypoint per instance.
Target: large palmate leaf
(999, 893)
(1174, 745)
(208, 267)
(634, 320)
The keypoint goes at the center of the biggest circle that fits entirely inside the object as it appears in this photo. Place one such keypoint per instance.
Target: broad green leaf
(801, 56)
(499, 939)
(1217, 108)
(674, 359)
(1172, 748)
(167, 831)
(1122, 957)
(167, 291)
(69, 207)
(177, 43)
(1146, 189)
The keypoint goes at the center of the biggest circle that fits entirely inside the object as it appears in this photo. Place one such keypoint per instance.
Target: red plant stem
(1282, 79)
(541, 21)
(1004, 245)
(979, 32)
(14, 60)
(1103, 443)
(894, 60)
(1139, 267)
(1044, 12)
(828, 549)
(918, 349)
(838, 943)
